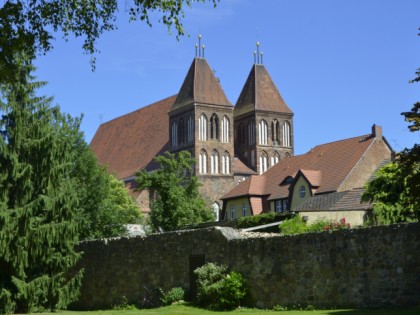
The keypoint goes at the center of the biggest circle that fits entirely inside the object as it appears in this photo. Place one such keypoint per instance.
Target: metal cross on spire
(199, 49)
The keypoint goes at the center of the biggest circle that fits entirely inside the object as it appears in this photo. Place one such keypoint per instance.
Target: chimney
(376, 131)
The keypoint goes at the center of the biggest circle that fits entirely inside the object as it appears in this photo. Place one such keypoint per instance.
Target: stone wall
(356, 268)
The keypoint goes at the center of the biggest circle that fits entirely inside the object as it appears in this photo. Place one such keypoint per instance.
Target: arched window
(286, 134)
(225, 129)
(226, 163)
(275, 158)
(174, 134)
(262, 132)
(214, 162)
(202, 162)
(263, 162)
(275, 126)
(251, 133)
(214, 127)
(190, 129)
(202, 128)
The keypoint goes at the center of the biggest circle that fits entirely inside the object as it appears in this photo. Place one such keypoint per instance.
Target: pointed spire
(200, 86)
(260, 93)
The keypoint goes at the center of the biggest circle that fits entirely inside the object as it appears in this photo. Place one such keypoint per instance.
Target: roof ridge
(336, 141)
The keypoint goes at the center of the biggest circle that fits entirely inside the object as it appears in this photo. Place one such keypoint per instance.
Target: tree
(388, 192)
(38, 200)
(178, 202)
(395, 190)
(105, 203)
(28, 26)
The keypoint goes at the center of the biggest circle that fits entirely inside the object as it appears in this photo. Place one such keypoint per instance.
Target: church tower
(263, 122)
(201, 121)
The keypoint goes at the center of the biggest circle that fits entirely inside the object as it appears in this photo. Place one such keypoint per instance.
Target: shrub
(173, 295)
(251, 221)
(294, 225)
(217, 289)
(297, 226)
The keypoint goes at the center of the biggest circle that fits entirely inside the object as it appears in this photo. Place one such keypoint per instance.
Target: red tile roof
(239, 168)
(200, 86)
(334, 161)
(260, 93)
(129, 143)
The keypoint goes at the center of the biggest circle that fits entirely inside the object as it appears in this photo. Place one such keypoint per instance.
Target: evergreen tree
(38, 200)
(178, 202)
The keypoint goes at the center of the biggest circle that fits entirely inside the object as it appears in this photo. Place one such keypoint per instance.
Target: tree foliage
(28, 26)
(106, 205)
(395, 192)
(38, 203)
(178, 202)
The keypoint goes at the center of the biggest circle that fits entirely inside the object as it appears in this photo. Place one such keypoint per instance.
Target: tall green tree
(177, 200)
(38, 200)
(28, 26)
(395, 192)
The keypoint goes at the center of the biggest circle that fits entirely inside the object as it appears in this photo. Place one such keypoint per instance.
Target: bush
(218, 290)
(297, 226)
(173, 295)
(294, 225)
(251, 221)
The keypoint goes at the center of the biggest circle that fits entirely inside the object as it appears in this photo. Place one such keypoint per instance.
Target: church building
(230, 143)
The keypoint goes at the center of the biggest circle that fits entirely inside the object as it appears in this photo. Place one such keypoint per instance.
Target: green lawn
(189, 310)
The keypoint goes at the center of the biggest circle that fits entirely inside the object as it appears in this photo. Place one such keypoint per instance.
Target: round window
(302, 191)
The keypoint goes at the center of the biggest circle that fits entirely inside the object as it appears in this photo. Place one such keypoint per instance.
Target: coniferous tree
(38, 200)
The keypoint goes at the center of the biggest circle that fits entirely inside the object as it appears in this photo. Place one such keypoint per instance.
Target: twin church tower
(230, 142)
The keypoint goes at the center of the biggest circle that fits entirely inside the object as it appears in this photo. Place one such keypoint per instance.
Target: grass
(182, 309)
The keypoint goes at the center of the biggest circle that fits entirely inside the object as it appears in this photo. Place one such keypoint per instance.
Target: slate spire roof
(200, 86)
(260, 94)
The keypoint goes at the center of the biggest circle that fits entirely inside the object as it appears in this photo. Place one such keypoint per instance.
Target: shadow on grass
(390, 311)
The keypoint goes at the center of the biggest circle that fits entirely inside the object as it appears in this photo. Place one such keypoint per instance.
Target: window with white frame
(226, 163)
(202, 163)
(275, 158)
(174, 134)
(214, 163)
(202, 128)
(262, 132)
(225, 129)
(263, 163)
(286, 134)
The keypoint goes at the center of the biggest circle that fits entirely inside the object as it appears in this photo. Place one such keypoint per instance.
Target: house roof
(129, 143)
(200, 86)
(346, 200)
(239, 167)
(260, 93)
(327, 165)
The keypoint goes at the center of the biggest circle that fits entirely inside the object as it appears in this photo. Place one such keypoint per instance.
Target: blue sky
(341, 66)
